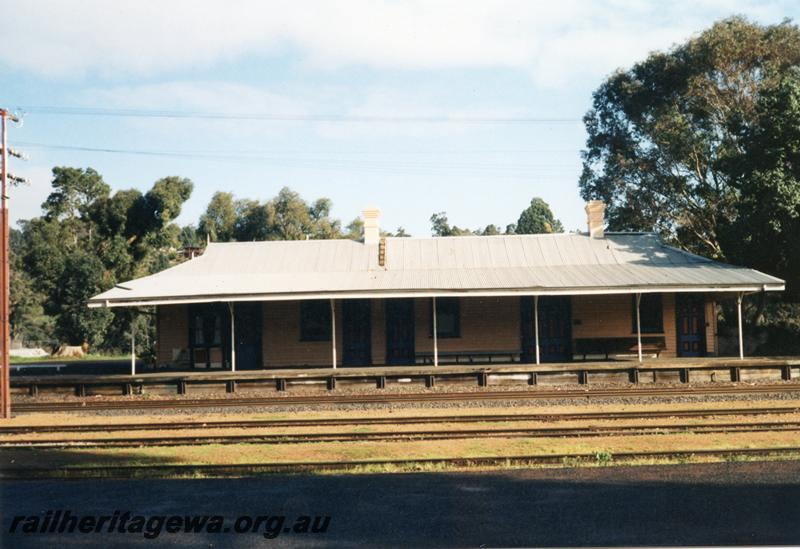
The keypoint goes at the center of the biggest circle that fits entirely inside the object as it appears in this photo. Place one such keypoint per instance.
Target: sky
(467, 107)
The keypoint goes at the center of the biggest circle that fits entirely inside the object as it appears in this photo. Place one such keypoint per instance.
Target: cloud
(554, 41)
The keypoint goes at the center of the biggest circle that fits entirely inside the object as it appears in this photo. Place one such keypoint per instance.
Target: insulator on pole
(17, 180)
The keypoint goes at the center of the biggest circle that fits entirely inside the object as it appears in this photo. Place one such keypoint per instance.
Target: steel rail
(388, 436)
(384, 420)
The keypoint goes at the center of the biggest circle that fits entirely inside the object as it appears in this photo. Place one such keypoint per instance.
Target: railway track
(389, 398)
(416, 435)
(252, 469)
(387, 420)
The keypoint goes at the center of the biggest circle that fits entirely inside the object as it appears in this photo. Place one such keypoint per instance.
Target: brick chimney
(372, 231)
(595, 217)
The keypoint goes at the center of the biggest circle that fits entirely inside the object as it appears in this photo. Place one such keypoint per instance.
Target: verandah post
(739, 297)
(639, 325)
(133, 344)
(333, 332)
(536, 324)
(233, 338)
(435, 337)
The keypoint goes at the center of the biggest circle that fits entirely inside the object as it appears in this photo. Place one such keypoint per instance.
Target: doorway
(400, 348)
(357, 332)
(691, 318)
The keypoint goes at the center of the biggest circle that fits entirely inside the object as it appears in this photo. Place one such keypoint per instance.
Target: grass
(603, 450)
(71, 360)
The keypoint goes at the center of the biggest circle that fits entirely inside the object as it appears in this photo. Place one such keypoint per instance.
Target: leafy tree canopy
(287, 216)
(764, 232)
(538, 218)
(667, 138)
(86, 241)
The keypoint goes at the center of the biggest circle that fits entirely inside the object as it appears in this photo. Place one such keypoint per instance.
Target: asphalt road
(730, 503)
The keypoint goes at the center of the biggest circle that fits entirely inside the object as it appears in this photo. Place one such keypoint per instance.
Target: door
(691, 319)
(399, 332)
(528, 341)
(209, 335)
(248, 334)
(356, 332)
(555, 329)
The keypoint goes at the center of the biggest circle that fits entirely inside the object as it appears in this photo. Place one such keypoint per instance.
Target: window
(651, 314)
(448, 317)
(208, 335)
(207, 325)
(315, 320)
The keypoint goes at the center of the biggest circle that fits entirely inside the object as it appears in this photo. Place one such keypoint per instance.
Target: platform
(649, 371)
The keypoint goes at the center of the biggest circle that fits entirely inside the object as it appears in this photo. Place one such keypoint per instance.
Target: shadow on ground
(727, 503)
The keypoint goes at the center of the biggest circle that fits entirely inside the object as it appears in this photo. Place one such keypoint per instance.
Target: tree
(219, 220)
(355, 229)
(74, 190)
(253, 221)
(189, 237)
(764, 231)
(399, 233)
(86, 241)
(666, 136)
(538, 218)
(29, 323)
(441, 227)
(81, 278)
(287, 216)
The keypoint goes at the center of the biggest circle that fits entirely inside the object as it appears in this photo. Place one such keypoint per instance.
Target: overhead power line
(470, 168)
(270, 117)
(270, 153)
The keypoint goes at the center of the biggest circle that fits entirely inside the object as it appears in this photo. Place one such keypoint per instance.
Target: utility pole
(5, 273)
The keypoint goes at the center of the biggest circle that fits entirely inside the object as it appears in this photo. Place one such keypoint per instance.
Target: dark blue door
(357, 332)
(528, 350)
(691, 319)
(247, 331)
(400, 349)
(555, 329)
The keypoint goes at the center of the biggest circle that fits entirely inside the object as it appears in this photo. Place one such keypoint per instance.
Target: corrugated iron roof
(486, 265)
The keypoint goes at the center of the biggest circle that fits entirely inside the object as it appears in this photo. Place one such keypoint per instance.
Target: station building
(409, 301)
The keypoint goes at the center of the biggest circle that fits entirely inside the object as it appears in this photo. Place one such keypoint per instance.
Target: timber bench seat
(469, 357)
(610, 346)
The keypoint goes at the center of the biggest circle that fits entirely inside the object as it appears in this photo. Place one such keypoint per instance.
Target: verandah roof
(480, 265)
